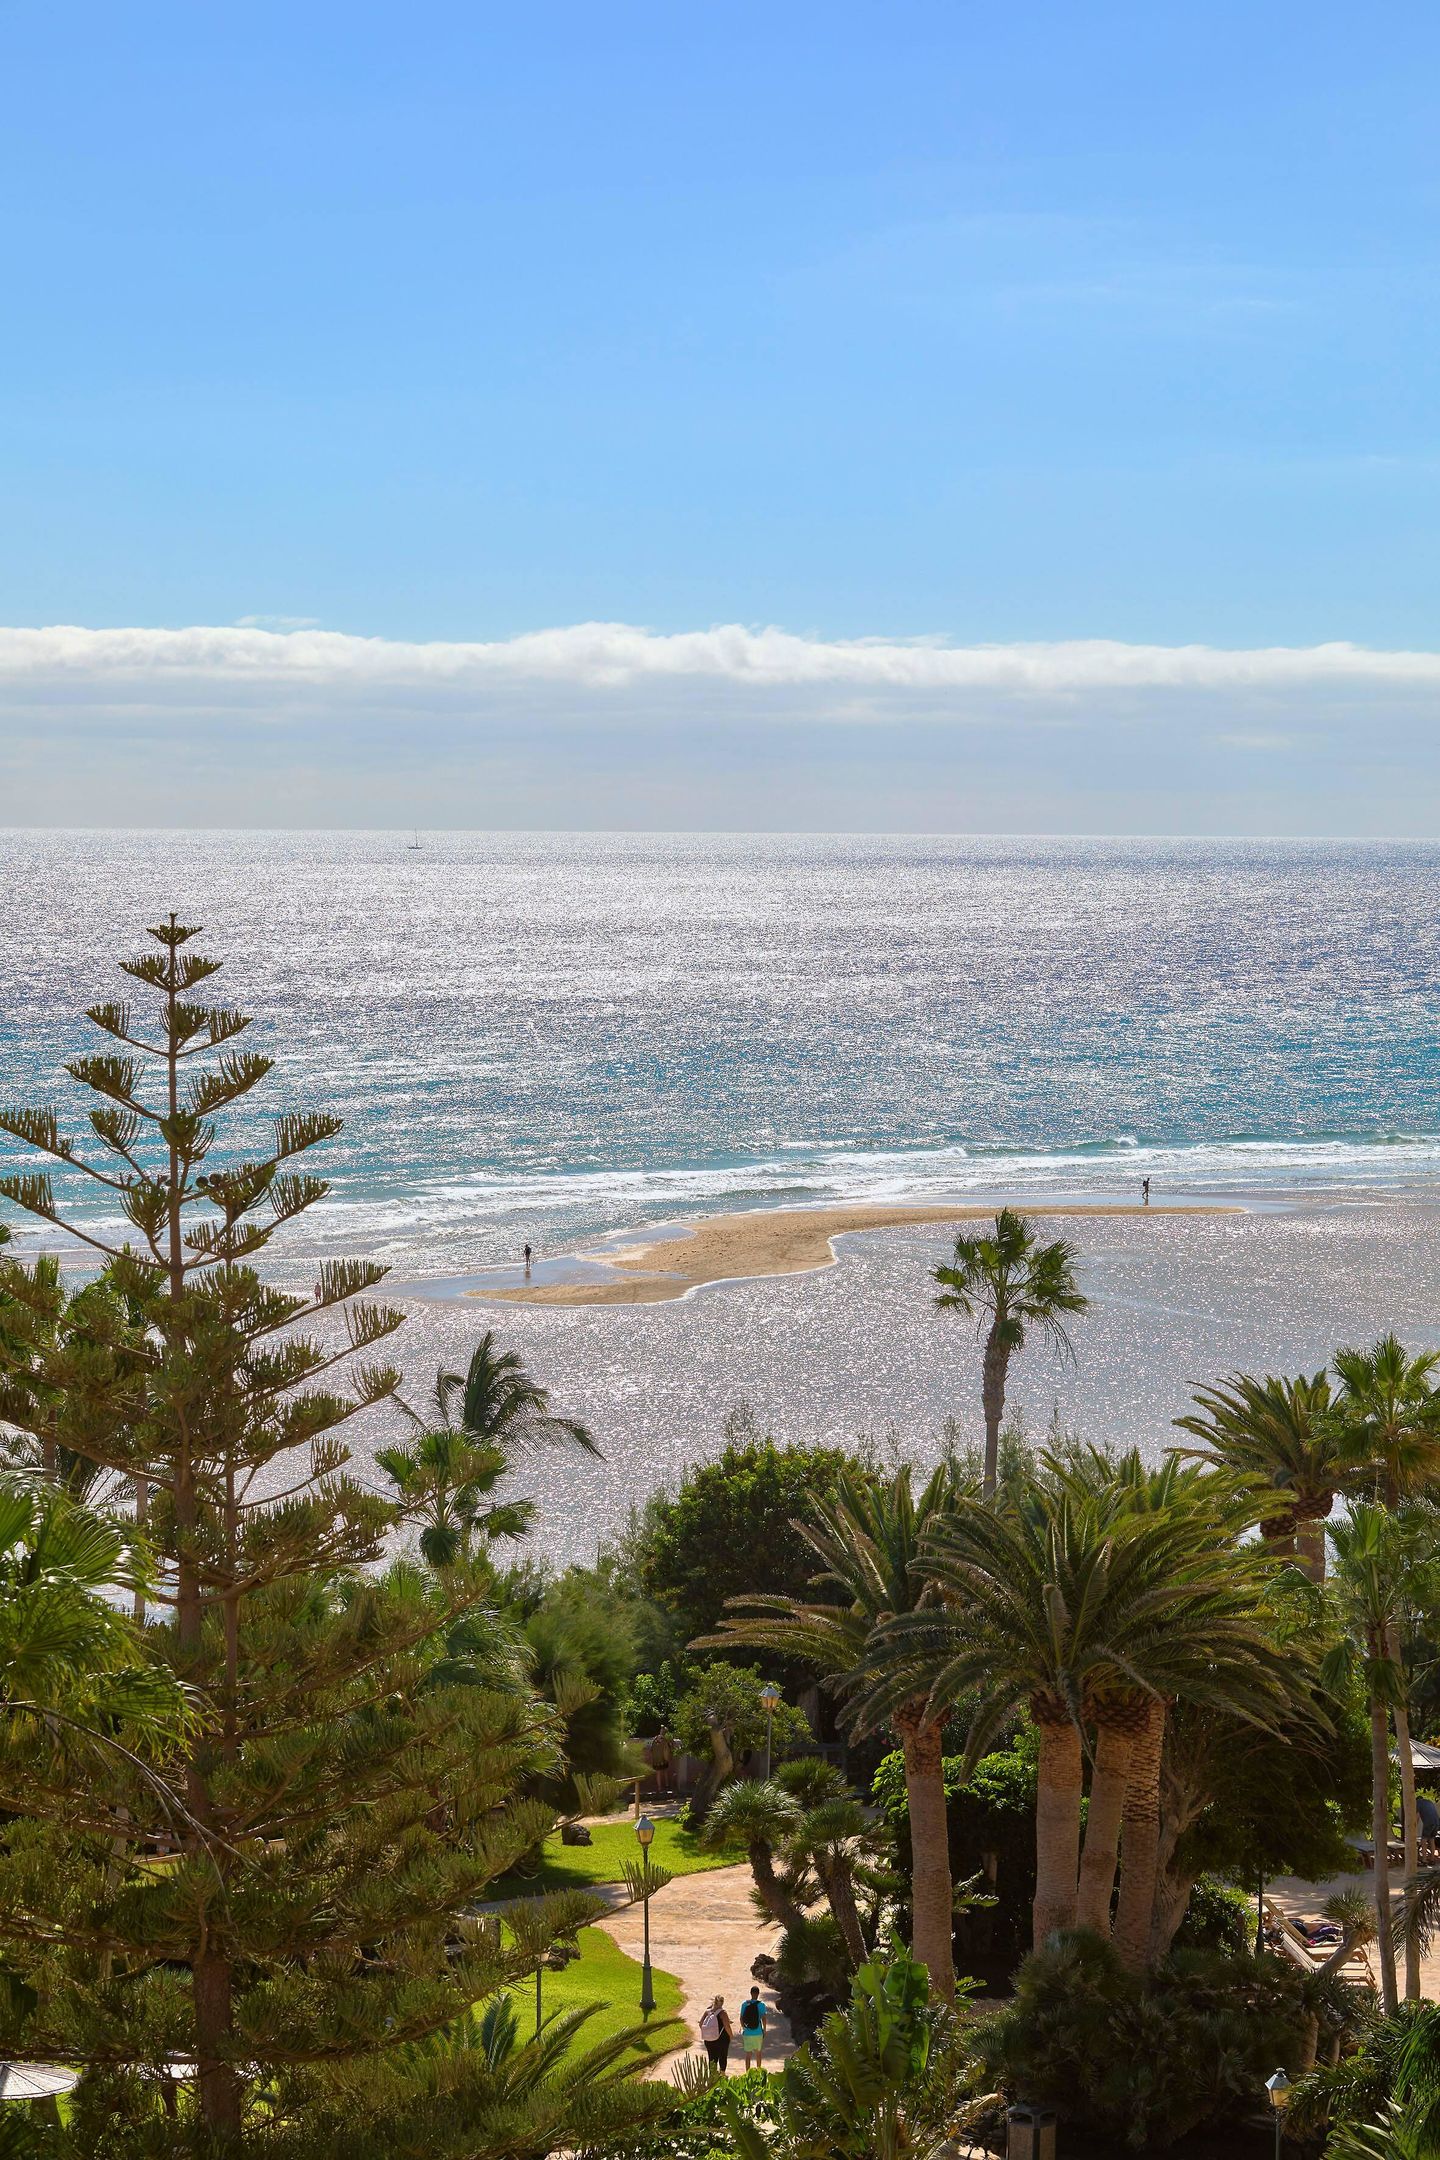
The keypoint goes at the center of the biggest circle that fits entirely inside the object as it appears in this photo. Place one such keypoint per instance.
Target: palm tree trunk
(1140, 1844)
(840, 1896)
(1380, 1834)
(1108, 1782)
(1409, 1821)
(992, 1401)
(1057, 1824)
(931, 1890)
(1310, 1545)
(770, 1888)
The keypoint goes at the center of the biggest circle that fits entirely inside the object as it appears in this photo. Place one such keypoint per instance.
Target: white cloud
(64, 659)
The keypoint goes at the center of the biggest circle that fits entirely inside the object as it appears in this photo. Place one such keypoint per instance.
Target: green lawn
(603, 1974)
(577, 1867)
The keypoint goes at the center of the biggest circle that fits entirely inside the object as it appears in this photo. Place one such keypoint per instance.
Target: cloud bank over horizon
(69, 659)
(613, 725)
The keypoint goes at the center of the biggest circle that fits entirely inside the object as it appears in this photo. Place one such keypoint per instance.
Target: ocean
(551, 1037)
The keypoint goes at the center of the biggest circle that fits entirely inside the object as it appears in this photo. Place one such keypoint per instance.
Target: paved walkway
(704, 1930)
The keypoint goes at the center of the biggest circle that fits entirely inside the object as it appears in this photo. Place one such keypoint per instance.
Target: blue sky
(996, 325)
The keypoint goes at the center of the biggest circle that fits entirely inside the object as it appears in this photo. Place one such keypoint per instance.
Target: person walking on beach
(717, 2032)
(1144, 1189)
(753, 2013)
(527, 1263)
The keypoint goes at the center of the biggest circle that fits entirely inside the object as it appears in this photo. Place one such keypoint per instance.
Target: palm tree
(1061, 1597)
(867, 1537)
(1288, 1434)
(1390, 1410)
(763, 1817)
(41, 1323)
(72, 1667)
(1383, 1563)
(482, 1421)
(1130, 1719)
(831, 1835)
(1010, 1281)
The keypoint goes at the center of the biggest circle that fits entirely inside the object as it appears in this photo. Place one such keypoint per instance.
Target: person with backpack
(753, 2013)
(717, 2032)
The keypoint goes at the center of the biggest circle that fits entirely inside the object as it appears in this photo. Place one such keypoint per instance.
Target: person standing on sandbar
(1144, 1189)
(527, 1256)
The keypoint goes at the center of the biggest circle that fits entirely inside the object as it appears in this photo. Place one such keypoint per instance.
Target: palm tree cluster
(807, 1837)
(1128, 1612)
(1366, 1433)
(1092, 1595)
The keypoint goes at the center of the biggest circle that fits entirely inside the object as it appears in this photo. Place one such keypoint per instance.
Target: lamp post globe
(770, 1699)
(1277, 2086)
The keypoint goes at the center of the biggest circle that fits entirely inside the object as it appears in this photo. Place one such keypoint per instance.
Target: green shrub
(1144, 2060)
(729, 1531)
(1218, 1917)
(991, 1821)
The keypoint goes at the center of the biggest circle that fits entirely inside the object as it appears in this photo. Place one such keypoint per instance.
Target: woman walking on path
(753, 2013)
(717, 2032)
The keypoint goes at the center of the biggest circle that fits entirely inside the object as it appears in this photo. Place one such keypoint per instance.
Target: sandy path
(705, 1931)
(1303, 1901)
(765, 1241)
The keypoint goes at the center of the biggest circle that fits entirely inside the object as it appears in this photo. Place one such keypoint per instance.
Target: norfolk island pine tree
(337, 1814)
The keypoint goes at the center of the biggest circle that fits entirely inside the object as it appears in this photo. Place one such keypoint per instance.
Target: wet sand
(770, 1241)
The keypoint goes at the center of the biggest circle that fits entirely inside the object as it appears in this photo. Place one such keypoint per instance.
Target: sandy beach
(768, 1241)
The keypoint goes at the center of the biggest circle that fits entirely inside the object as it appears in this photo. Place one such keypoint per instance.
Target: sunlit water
(547, 1037)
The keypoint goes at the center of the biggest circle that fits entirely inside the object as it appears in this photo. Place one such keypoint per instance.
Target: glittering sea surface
(547, 1037)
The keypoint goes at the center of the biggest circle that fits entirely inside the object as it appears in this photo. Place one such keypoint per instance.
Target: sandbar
(768, 1241)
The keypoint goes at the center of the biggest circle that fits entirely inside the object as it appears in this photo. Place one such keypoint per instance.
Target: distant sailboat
(415, 843)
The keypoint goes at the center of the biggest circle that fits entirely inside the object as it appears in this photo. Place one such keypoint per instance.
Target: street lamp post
(645, 1831)
(770, 1703)
(1278, 2087)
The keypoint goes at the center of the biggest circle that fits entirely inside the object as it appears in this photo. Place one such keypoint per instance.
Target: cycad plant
(867, 1538)
(1012, 1286)
(484, 2090)
(879, 2081)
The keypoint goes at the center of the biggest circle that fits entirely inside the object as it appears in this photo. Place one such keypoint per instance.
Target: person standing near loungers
(753, 2013)
(717, 2032)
